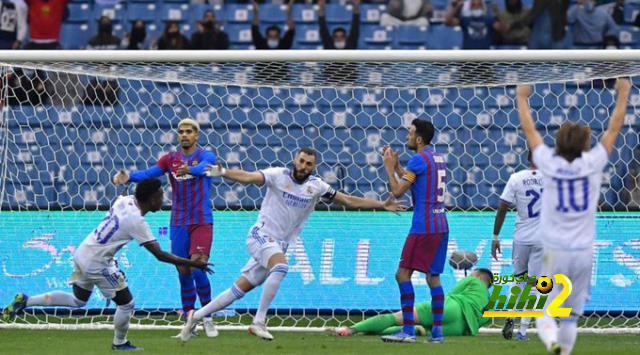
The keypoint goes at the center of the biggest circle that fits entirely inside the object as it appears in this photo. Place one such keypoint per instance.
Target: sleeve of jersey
(414, 167)
(599, 157)
(328, 192)
(153, 172)
(142, 233)
(269, 175)
(207, 159)
(508, 195)
(542, 156)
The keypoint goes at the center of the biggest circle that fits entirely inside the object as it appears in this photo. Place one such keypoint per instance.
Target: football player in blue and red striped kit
(425, 249)
(191, 212)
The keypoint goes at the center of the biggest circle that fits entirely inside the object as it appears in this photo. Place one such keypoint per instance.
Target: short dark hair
(146, 188)
(339, 29)
(487, 272)
(273, 28)
(424, 130)
(308, 151)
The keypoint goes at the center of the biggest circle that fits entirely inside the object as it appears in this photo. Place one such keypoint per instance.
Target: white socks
(567, 334)
(547, 330)
(121, 322)
(524, 324)
(269, 291)
(56, 299)
(221, 302)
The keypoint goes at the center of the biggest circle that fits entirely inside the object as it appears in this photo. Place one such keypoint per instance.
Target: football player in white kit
(95, 265)
(572, 178)
(291, 197)
(523, 190)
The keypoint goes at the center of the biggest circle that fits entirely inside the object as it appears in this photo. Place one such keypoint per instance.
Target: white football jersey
(570, 199)
(523, 190)
(122, 224)
(288, 204)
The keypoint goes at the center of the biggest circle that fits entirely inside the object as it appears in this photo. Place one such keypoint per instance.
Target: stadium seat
(306, 34)
(239, 13)
(175, 12)
(375, 36)
(338, 14)
(411, 35)
(370, 13)
(75, 35)
(445, 37)
(147, 12)
(304, 14)
(27, 173)
(115, 12)
(273, 14)
(85, 195)
(34, 195)
(196, 12)
(79, 12)
(239, 34)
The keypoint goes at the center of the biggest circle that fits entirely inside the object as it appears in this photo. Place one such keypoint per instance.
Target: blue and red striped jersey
(190, 199)
(427, 173)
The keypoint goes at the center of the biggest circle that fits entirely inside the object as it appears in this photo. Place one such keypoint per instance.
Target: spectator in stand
(510, 30)
(617, 12)
(137, 39)
(171, 38)
(590, 24)
(273, 40)
(477, 26)
(209, 35)
(104, 40)
(14, 24)
(407, 12)
(548, 19)
(45, 21)
(339, 40)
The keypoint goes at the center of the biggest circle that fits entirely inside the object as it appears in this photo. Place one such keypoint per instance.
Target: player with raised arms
(425, 249)
(292, 195)
(523, 191)
(572, 179)
(95, 266)
(191, 231)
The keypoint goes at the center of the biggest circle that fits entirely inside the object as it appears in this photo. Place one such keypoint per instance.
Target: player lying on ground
(463, 311)
(572, 180)
(95, 265)
(291, 197)
(191, 231)
(523, 191)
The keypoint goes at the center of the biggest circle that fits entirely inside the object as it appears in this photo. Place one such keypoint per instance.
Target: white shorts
(261, 249)
(109, 281)
(527, 258)
(577, 265)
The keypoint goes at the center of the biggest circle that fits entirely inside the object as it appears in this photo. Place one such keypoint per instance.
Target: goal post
(71, 119)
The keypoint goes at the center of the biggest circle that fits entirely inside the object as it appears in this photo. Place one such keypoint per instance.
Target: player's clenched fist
(121, 177)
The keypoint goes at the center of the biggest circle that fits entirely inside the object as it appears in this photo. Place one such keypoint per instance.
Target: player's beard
(186, 145)
(412, 145)
(299, 176)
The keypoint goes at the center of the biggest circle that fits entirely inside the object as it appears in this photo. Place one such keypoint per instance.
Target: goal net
(70, 120)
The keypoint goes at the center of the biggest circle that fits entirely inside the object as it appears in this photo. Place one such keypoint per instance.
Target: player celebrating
(291, 197)
(426, 246)
(572, 179)
(191, 217)
(465, 305)
(523, 190)
(95, 265)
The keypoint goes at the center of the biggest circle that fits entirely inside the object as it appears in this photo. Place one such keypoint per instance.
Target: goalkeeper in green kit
(463, 309)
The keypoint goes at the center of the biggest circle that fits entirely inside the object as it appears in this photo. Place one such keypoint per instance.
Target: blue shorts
(189, 240)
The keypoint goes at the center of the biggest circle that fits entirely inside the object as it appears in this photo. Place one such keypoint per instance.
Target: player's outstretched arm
(123, 176)
(396, 187)
(241, 176)
(362, 203)
(497, 226)
(623, 86)
(528, 127)
(161, 255)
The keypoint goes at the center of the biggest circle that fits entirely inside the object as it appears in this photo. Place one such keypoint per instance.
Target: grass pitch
(89, 342)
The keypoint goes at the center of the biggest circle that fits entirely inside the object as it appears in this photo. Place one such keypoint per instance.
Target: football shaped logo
(544, 285)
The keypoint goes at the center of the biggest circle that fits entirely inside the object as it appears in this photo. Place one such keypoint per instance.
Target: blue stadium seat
(370, 13)
(467, 98)
(114, 12)
(166, 116)
(273, 14)
(35, 195)
(239, 34)
(75, 35)
(26, 173)
(147, 12)
(239, 13)
(304, 14)
(375, 36)
(308, 34)
(445, 37)
(411, 35)
(455, 197)
(79, 12)
(84, 195)
(175, 12)
(631, 11)
(338, 14)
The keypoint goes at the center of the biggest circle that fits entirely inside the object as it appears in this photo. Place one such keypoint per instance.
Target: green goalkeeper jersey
(473, 296)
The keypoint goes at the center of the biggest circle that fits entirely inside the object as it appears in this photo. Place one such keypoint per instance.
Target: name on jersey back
(531, 182)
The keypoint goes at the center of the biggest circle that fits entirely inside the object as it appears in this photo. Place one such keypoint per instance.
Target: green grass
(55, 342)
